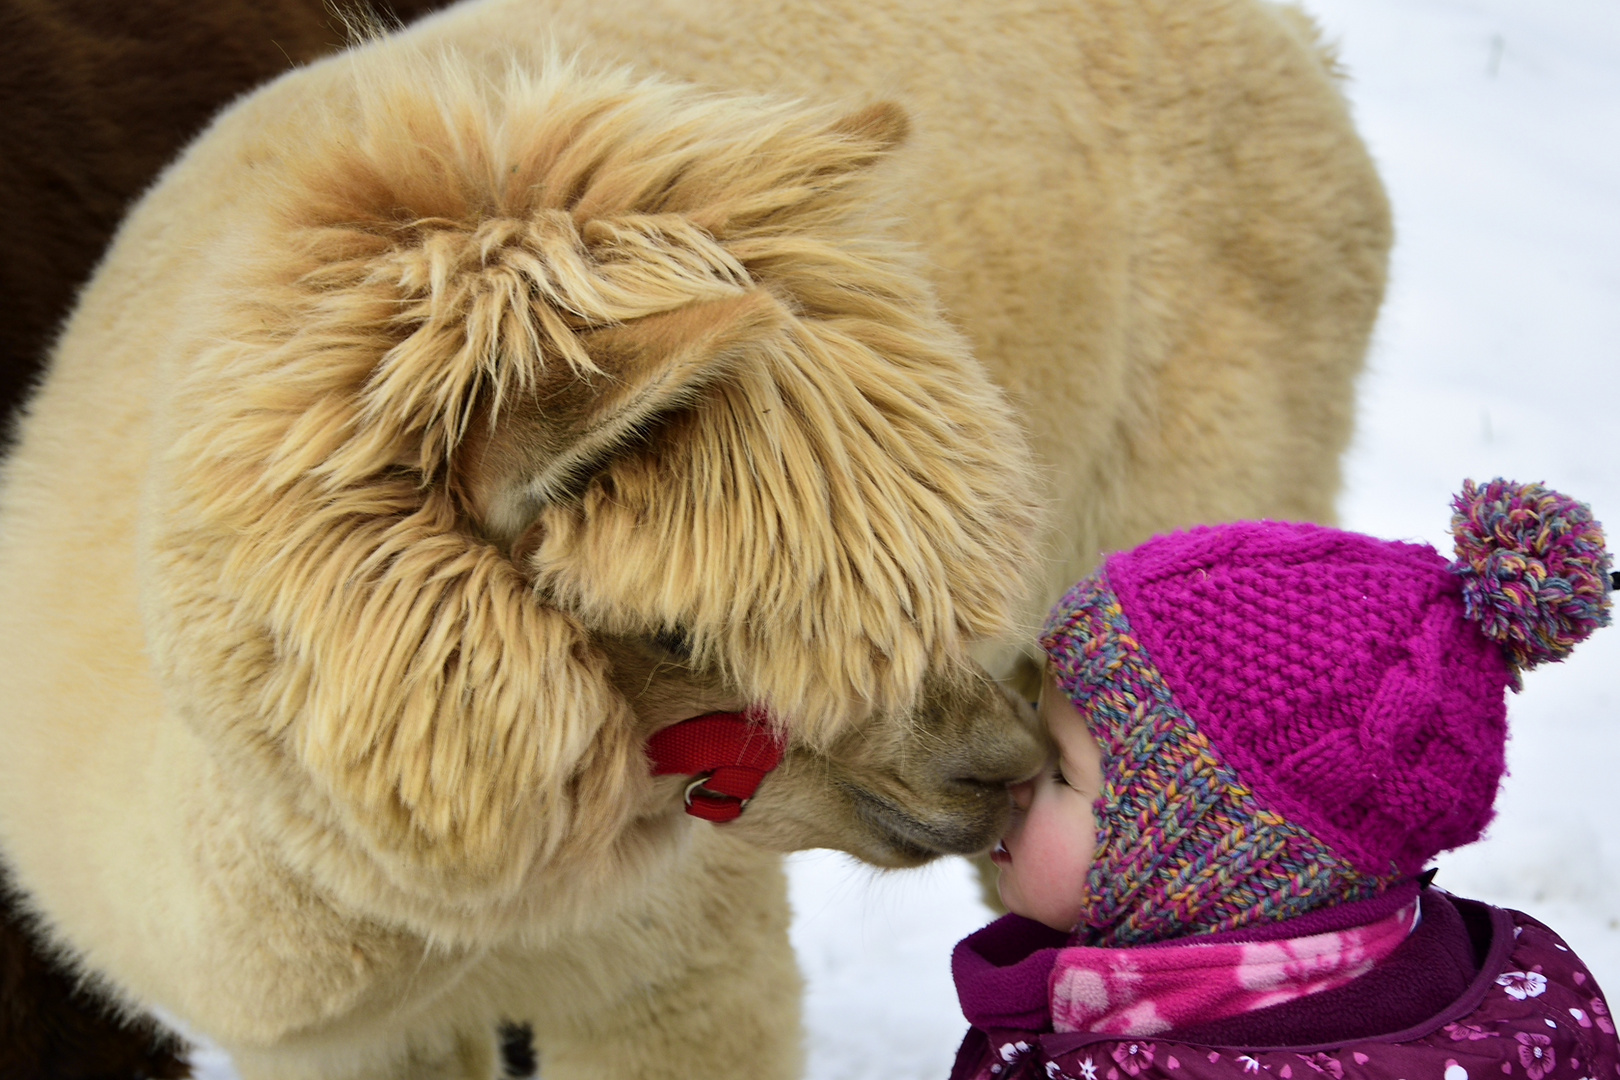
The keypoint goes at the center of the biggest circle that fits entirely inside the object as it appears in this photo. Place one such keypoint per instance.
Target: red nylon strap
(728, 753)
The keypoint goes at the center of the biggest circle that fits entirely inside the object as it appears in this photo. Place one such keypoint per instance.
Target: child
(1264, 733)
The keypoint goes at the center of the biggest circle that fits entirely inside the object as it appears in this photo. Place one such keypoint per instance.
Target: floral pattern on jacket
(1535, 1014)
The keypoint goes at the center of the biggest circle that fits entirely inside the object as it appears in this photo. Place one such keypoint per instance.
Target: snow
(1496, 124)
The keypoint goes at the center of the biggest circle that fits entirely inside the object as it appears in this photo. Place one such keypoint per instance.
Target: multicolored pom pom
(1534, 567)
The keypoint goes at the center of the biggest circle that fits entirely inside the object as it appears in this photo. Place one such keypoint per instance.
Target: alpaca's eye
(673, 640)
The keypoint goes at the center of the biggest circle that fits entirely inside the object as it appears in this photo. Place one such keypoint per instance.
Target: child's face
(1046, 854)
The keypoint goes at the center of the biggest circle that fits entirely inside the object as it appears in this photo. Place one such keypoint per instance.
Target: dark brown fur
(53, 1029)
(95, 99)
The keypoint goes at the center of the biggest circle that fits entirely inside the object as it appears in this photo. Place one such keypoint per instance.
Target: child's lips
(1001, 856)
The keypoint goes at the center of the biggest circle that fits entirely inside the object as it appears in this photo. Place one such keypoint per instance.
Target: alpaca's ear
(544, 446)
(883, 126)
(797, 176)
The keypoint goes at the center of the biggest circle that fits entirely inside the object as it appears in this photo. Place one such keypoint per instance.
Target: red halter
(727, 754)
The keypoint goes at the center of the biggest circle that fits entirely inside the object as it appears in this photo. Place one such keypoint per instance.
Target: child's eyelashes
(1058, 777)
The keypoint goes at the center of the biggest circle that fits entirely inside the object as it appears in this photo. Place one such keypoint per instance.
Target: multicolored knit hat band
(1293, 716)
(1183, 846)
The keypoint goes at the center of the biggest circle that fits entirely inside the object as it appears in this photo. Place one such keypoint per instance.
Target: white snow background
(1496, 125)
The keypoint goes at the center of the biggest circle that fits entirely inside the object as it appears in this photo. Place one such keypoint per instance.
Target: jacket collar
(1003, 972)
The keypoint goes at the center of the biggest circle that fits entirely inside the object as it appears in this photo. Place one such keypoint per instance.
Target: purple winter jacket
(1475, 993)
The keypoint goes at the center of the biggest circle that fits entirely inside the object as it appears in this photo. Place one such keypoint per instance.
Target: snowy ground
(1497, 126)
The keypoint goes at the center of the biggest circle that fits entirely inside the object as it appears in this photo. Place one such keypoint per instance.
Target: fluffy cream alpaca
(440, 383)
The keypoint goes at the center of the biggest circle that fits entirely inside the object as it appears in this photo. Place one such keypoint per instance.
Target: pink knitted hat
(1292, 716)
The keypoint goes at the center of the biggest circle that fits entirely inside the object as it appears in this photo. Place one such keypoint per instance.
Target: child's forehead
(1064, 722)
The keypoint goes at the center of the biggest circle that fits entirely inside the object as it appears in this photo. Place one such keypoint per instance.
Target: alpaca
(51, 1027)
(99, 97)
(453, 417)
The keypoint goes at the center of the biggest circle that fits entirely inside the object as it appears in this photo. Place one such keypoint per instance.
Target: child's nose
(1023, 793)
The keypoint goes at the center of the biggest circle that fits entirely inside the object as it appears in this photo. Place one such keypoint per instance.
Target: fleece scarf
(1006, 973)
(1144, 991)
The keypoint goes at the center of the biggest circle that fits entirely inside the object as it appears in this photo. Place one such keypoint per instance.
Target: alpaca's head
(896, 789)
(660, 350)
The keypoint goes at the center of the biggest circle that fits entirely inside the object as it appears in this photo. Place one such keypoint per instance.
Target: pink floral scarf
(1145, 990)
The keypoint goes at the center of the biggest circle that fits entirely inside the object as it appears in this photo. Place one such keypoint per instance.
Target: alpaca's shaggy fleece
(434, 374)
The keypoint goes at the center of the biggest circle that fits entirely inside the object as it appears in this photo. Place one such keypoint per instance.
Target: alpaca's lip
(915, 838)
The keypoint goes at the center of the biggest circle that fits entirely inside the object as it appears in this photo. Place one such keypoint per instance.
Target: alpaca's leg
(733, 1021)
(424, 1054)
(700, 981)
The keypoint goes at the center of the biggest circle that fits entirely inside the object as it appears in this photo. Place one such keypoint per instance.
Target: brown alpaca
(99, 97)
(51, 1028)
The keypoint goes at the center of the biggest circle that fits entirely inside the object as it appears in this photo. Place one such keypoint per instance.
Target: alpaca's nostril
(1015, 764)
(986, 789)
(990, 795)
(995, 780)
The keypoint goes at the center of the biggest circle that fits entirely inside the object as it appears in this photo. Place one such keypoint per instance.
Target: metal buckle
(697, 785)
